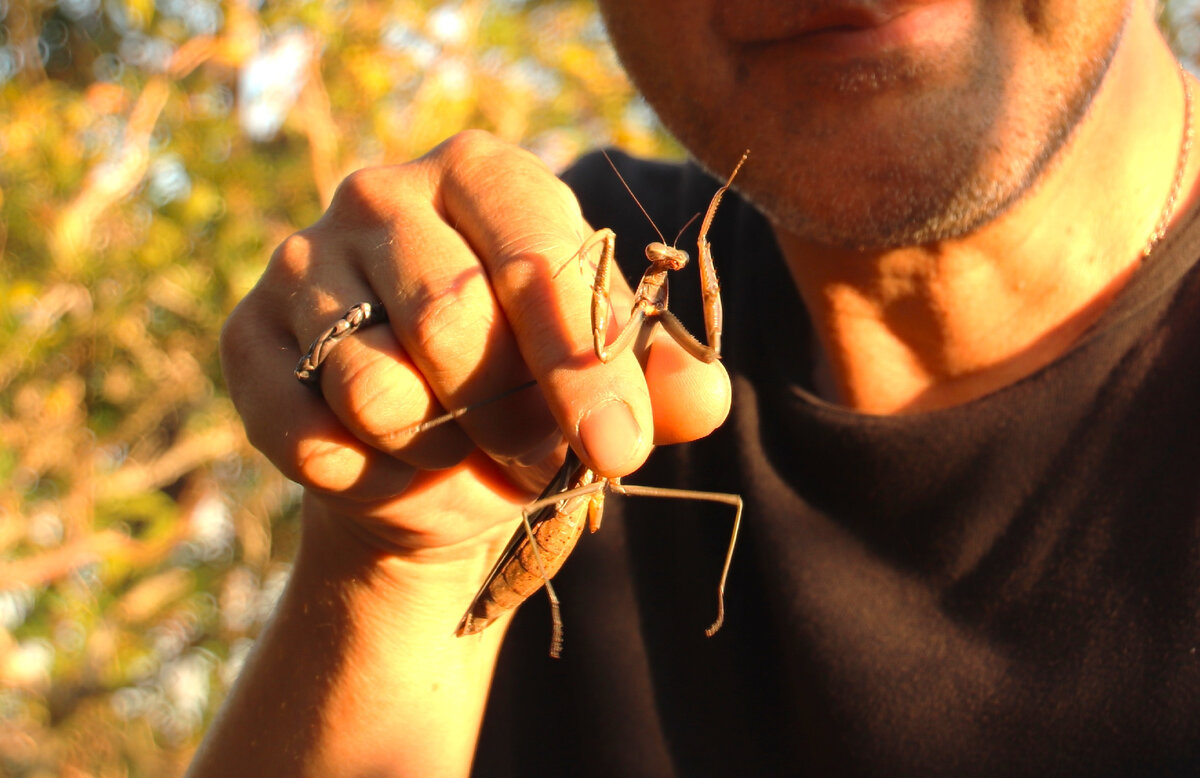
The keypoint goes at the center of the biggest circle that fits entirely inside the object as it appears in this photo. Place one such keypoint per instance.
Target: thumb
(689, 398)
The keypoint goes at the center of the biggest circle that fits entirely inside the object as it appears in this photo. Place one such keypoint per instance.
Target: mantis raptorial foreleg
(651, 298)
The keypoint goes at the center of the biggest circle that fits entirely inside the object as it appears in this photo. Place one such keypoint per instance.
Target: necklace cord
(1185, 152)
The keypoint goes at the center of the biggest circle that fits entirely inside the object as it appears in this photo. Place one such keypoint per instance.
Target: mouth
(742, 23)
(844, 28)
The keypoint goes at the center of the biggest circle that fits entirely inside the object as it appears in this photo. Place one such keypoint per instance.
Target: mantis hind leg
(556, 636)
(689, 494)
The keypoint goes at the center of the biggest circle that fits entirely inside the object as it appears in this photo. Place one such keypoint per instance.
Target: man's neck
(934, 326)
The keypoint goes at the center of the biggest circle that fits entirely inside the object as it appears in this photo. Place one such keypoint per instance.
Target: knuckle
(295, 254)
(322, 466)
(494, 175)
(368, 197)
(383, 406)
(536, 245)
(356, 188)
(379, 409)
(553, 233)
(445, 320)
(465, 146)
(476, 160)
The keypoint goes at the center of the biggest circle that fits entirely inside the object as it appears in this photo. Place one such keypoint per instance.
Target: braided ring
(308, 370)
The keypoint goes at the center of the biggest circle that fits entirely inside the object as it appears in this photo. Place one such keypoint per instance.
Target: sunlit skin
(959, 188)
(887, 123)
(944, 234)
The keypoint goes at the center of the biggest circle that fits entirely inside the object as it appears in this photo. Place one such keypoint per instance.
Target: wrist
(359, 668)
(384, 584)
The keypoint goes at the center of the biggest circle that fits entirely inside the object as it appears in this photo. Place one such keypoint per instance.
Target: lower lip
(917, 28)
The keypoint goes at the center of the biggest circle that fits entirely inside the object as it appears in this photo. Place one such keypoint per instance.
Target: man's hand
(464, 249)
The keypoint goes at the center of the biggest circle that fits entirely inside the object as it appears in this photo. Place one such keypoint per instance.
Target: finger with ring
(359, 316)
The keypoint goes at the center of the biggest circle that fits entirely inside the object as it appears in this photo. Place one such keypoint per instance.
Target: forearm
(359, 671)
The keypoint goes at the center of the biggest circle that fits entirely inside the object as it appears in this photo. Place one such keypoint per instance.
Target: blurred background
(152, 154)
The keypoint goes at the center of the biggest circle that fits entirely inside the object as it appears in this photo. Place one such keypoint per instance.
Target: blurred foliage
(152, 153)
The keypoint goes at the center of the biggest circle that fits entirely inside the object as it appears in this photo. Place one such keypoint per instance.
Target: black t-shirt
(1007, 587)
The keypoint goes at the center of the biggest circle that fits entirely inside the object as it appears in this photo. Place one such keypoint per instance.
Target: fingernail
(610, 436)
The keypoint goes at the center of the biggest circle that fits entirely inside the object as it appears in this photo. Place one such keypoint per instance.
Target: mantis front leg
(651, 296)
(600, 299)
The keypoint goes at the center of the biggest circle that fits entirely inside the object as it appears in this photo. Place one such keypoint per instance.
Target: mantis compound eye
(666, 256)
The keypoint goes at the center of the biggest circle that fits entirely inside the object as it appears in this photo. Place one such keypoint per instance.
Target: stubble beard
(941, 171)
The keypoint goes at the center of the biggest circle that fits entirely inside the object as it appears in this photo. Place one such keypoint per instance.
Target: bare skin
(931, 326)
(359, 672)
(892, 163)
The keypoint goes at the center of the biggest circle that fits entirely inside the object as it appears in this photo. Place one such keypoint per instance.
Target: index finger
(525, 229)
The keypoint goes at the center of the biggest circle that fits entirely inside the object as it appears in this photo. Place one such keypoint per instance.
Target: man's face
(872, 123)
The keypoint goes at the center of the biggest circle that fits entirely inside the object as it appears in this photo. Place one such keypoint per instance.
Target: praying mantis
(553, 523)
